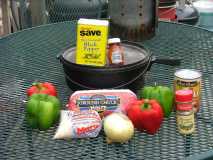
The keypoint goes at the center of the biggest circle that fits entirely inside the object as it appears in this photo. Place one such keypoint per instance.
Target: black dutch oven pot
(130, 75)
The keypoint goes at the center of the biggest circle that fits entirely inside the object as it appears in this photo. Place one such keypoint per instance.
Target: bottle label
(184, 106)
(116, 57)
(194, 85)
(186, 123)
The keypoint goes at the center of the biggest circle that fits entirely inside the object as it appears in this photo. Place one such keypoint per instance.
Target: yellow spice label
(91, 44)
(186, 124)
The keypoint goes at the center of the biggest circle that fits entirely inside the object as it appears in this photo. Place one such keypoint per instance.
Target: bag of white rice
(78, 124)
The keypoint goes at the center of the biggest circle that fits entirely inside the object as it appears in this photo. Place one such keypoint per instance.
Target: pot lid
(204, 6)
(133, 53)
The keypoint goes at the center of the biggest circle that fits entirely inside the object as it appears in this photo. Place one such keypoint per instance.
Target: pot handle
(115, 87)
(59, 57)
(167, 61)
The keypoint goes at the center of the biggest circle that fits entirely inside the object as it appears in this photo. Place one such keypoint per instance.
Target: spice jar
(189, 79)
(115, 52)
(184, 111)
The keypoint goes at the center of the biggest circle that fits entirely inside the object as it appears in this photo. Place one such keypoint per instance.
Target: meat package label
(99, 103)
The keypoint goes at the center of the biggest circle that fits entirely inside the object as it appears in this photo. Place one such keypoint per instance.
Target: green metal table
(30, 55)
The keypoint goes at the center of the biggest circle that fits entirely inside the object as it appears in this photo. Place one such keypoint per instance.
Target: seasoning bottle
(189, 78)
(115, 52)
(184, 111)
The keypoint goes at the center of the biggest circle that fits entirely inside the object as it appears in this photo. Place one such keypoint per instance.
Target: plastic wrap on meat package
(103, 101)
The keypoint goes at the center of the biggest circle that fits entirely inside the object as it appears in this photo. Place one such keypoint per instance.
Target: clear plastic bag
(78, 124)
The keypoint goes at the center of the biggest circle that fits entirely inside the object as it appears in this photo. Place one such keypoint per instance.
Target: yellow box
(92, 38)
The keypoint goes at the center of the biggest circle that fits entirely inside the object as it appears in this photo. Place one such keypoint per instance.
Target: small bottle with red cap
(115, 52)
(184, 111)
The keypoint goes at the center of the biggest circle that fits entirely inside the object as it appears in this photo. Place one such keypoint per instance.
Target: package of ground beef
(102, 101)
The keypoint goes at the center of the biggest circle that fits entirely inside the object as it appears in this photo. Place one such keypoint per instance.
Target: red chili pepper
(42, 88)
(146, 115)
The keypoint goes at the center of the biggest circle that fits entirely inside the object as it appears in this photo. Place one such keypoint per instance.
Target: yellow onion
(118, 128)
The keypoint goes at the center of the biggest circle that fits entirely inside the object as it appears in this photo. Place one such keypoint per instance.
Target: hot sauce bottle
(115, 52)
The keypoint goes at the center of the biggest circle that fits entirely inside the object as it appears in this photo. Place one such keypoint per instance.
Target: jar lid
(114, 40)
(185, 95)
(188, 74)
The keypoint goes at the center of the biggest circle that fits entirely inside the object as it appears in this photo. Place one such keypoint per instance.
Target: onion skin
(118, 128)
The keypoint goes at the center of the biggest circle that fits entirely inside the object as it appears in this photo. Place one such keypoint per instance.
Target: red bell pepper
(42, 88)
(146, 115)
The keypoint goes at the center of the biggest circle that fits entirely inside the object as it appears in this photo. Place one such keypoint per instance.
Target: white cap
(187, 74)
(93, 22)
(114, 40)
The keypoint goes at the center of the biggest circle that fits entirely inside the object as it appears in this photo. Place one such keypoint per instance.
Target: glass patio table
(30, 55)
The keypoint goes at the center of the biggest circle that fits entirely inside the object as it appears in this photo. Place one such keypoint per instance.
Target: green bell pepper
(164, 95)
(42, 111)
